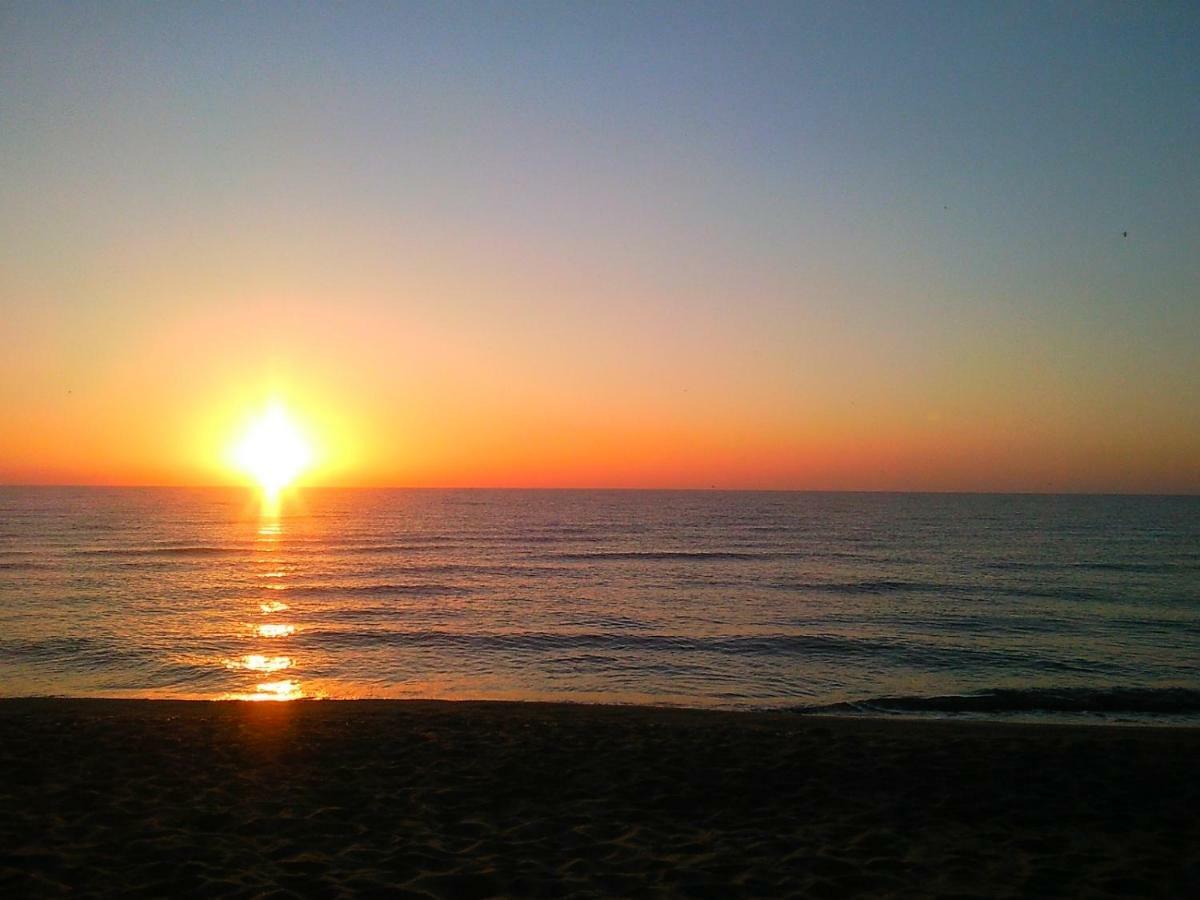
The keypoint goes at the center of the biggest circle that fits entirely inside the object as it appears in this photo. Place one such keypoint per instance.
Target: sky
(846, 246)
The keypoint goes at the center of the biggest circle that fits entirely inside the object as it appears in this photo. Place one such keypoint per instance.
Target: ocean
(908, 604)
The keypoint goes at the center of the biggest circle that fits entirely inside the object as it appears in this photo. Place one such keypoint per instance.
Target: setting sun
(273, 451)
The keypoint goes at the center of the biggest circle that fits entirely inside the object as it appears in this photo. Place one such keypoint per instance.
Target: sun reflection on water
(259, 662)
(288, 689)
(269, 539)
(275, 630)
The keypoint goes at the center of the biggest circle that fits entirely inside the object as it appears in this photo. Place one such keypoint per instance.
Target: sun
(273, 451)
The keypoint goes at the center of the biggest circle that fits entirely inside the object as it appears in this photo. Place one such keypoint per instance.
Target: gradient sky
(843, 246)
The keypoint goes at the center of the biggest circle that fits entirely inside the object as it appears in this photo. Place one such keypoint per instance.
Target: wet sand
(427, 799)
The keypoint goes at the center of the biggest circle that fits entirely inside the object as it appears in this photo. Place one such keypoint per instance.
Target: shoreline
(426, 798)
(1120, 720)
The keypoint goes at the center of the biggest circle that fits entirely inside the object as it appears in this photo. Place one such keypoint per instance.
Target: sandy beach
(430, 799)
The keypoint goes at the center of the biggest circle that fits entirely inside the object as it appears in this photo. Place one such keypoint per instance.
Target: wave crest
(1130, 700)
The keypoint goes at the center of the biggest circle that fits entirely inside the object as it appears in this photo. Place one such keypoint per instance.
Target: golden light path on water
(272, 659)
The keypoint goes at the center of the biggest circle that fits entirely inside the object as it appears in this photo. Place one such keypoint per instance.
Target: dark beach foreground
(430, 799)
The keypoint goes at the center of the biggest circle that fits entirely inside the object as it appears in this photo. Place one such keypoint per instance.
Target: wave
(1137, 567)
(669, 647)
(957, 590)
(181, 550)
(1114, 700)
(403, 568)
(22, 565)
(652, 555)
(867, 586)
(78, 653)
(389, 549)
(613, 641)
(1163, 566)
(383, 590)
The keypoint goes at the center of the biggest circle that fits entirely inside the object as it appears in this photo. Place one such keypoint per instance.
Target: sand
(426, 799)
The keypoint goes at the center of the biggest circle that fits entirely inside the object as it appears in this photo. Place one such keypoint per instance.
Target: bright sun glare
(273, 451)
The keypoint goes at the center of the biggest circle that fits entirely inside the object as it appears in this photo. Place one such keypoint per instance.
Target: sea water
(950, 604)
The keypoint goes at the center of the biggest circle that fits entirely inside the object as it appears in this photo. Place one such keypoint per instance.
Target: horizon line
(615, 489)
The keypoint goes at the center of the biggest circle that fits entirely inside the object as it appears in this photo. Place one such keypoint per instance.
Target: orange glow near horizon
(441, 415)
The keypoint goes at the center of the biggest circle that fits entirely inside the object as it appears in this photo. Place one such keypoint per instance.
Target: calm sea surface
(964, 604)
